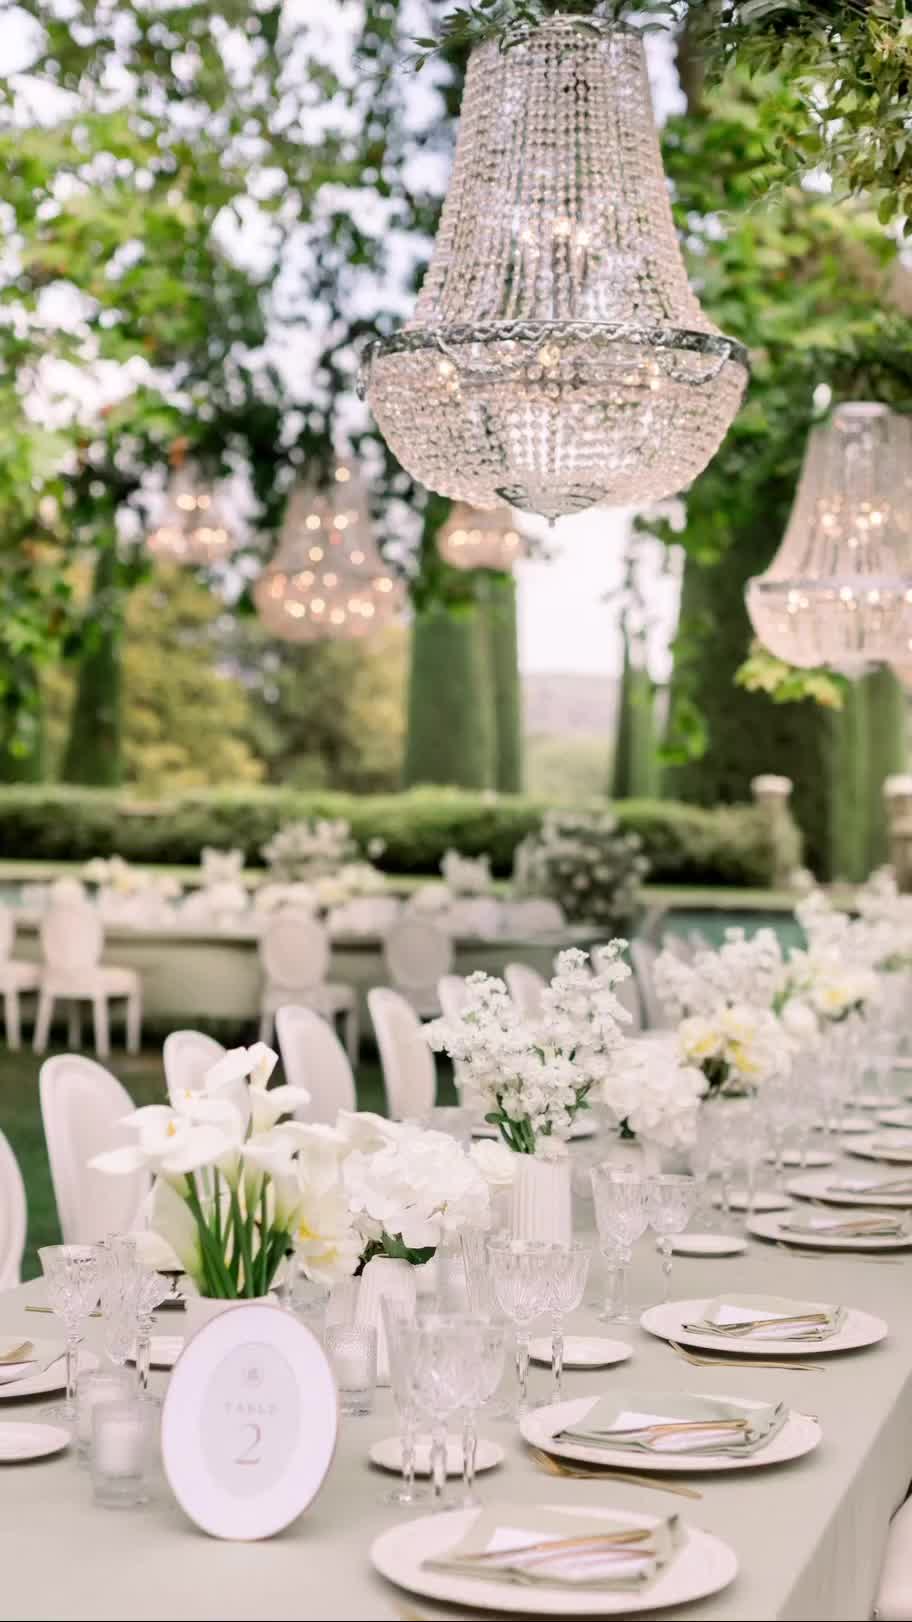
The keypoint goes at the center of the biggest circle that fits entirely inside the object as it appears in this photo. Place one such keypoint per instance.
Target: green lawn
(20, 1119)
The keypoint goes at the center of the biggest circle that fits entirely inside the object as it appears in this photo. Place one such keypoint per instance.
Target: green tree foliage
(499, 609)
(451, 736)
(93, 750)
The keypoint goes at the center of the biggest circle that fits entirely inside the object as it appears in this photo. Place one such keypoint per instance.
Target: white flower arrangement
(584, 861)
(727, 1003)
(533, 1079)
(466, 875)
(309, 850)
(221, 866)
(654, 1096)
(835, 976)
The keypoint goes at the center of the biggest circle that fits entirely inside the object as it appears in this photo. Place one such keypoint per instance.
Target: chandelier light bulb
(839, 590)
(557, 358)
(192, 528)
(327, 578)
(474, 539)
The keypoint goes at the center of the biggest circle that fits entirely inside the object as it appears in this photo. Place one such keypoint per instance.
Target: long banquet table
(809, 1535)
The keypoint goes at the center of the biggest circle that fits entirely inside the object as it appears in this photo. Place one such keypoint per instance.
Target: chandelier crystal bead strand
(557, 358)
(327, 578)
(839, 590)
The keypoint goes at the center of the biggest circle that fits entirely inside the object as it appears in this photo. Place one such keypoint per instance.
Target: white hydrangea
(654, 1095)
(416, 1187)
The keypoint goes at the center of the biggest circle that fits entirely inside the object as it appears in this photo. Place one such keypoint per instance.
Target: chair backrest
(525, 986)
(7, 933)
(409, 1074)
(72, 937)
(475, 917)
(534, 916)
(313, 1057)
(452, 994)
(13, 1216)
(82, 1107)
(187, 1055)
(294, 950)
(417, 953)
(643, 957)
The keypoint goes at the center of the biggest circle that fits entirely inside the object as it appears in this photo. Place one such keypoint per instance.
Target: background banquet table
(809, 1535)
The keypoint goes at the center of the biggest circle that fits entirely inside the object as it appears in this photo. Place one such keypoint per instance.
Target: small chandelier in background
(839, 590)
(473, 539)
(327, 578)
(557, 358)
(192, 527)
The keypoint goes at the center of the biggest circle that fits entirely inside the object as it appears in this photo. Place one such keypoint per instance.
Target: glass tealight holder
(121, 1453)
(92, 1387)
(352, 1352)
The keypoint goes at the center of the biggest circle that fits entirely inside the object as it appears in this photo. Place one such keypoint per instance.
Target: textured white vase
(384, 1276)
(542, 1202)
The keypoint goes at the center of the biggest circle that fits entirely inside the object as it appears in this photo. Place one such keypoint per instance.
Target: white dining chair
(83, 1108)
(294, 956)
(409, 1073)
(643, 957)
(314, 1058)
(535, 915)
(13, 1217)
(186, 1056)
(417, 954)
(893, 1601)
(525, 986)
(452, 995)
(16, 978)
(474, 917)
(72, 941)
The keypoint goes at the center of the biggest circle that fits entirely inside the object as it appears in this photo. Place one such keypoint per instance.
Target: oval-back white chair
(13, 1217)
(72, 941)
(83, 1107)
(186, 1056)
(417, 954)
(313, 1057)
(525, 986)
(295, 956)
(643, 957)
(409, 1074)
(15, 977)
(452, 994)
(536, 915)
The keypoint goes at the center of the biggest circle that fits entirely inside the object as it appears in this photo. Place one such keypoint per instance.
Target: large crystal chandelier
(192, 527)
(327, 578)
(472, 539)
(839, 590)
(557, 358)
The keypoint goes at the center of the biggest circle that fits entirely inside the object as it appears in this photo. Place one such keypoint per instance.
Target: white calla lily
(173, 1222)
(167, 1142)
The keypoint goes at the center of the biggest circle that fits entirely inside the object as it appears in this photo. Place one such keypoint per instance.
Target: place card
(249, 1423)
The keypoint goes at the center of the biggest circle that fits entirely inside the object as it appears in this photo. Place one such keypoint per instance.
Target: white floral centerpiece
(727, 1003)
(308, 850)
(655, 1097)
(586, 862)
(466, 875)
(835, 976)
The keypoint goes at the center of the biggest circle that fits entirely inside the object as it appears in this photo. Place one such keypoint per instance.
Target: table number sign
(249, 1423)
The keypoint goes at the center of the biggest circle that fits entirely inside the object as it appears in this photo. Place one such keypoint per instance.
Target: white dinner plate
(20, 1440)
(895, 1117)
(50, 1360)
(764, 1200)
(668, 1320)
(800, 1434)
(583, 1351)
(702, 1565)
(388, 1454)
(164, 1351)
(890, 1145)
(810, 1157)
(770, 1227)
(854, 1123)
(817, 1185)
(708, 1244)
(869, 1101)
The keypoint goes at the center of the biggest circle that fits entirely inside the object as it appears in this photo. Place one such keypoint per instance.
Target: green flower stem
(242, 1236)
(265, 1247)
(216, 1275)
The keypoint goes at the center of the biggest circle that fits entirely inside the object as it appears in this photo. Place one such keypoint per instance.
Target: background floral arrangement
(309, 850)
(584, 861)
(653, 1096)
(727, 1003)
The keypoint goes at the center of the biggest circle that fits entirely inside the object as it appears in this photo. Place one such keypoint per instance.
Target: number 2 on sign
(249, 1454)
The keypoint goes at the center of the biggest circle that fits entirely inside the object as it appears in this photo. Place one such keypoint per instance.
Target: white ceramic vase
(542, 1202)
(384, 1276)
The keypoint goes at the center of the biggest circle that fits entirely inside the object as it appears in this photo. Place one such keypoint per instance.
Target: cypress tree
(885, 704)
(93, 751)
(450, 714)
(503, 656)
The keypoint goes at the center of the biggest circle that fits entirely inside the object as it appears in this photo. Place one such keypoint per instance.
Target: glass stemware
(620, 1215)
(441, 1356)
(486, 1367)
(149, 1291)
(117, 1268)
(71, 1275)
(520, 1275)
(566, 1284)
(670, 1200)
(397, 1319)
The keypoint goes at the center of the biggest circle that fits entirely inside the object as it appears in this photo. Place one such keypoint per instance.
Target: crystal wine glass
(670, 1199)
(440, 1356)
(566, 1284)
(485, 1364)
(483, 1303)
(149, 1291)
(71, 1275)
(397, 1319)
(520, 1274)
(620, 1215)
(117, 1266)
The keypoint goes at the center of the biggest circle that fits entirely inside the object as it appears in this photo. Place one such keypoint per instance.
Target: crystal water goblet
(486, 1366)
(397, 1320)
(483, 1303)
(566, 1286)
(776, 1106)
(620, 1216)
(440, 1356)
(520, 1278)
(117, 1270)
(71, 1276)
(149, 1291)
(670, 1199)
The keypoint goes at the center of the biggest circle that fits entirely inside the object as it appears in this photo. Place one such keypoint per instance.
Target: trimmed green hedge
(685, 844)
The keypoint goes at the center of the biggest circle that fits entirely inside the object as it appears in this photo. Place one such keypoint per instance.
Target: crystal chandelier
(839, 590)
(480, 540)
(192, 527)
(557, 358)
(327, 578)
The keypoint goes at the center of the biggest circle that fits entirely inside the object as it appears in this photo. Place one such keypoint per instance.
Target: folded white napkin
(514, 1543)
(769, 1318)
(22, 1366)
(901, 1184)
(860, 1225)
(639, 1420)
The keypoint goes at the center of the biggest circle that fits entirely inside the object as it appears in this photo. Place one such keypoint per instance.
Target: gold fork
(743, 1363)
(573, 1472)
